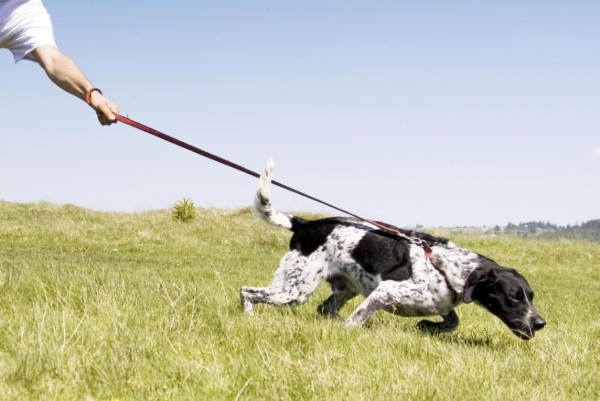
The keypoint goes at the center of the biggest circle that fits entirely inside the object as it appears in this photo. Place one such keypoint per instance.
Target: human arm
(66, 75)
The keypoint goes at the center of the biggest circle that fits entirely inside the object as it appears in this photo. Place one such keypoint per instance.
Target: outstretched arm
(65, 74)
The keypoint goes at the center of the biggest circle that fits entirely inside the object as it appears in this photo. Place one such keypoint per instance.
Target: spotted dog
(395, 273)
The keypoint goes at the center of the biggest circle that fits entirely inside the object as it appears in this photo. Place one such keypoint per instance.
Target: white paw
(248, 307)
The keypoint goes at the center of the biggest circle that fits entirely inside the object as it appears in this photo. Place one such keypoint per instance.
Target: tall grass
(107, 306)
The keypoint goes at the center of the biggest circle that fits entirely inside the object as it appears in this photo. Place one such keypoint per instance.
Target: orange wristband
(88, 95)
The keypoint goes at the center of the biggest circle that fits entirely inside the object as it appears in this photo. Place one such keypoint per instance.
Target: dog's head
(506, 294)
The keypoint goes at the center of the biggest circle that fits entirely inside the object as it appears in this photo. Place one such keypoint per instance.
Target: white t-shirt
(24, 25)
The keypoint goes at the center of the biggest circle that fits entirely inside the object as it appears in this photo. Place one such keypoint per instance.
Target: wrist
(88, 95)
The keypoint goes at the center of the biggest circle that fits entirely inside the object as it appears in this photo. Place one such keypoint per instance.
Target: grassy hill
(115, 306)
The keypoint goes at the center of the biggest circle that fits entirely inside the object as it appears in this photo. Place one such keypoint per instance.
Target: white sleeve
(27, 27)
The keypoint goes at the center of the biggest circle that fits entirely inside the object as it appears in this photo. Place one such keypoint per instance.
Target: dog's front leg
(363, 313)
(448, 325)
(402, 298)
(383, 297)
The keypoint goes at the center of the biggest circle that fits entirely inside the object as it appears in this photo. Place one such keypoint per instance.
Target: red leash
(218, 159)
(152, 131)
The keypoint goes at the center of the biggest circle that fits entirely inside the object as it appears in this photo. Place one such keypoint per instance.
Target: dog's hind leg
(269, 295)
(295, 280)
(342, 293)
(448, 325)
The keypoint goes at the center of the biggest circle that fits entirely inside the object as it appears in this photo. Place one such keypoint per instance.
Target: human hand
(105, 109)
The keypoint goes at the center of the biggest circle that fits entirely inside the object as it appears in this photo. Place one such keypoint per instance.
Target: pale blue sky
(442, 113)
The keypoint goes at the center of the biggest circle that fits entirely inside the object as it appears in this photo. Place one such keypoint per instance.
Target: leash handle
(218, 159)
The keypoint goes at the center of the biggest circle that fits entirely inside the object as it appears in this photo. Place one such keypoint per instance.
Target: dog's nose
(539, 324)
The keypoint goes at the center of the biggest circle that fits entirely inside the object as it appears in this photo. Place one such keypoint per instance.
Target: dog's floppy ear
(469, 288)
(476, 277)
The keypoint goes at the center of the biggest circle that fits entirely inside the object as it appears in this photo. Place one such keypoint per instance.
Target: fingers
(105, 110)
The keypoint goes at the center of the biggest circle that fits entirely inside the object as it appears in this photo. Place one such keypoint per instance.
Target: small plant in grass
(184, 211)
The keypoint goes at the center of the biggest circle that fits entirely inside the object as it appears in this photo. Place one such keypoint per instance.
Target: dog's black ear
(469, 287)
(477, 277)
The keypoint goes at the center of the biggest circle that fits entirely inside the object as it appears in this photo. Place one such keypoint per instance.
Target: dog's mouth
(523, 334)
(526, 330)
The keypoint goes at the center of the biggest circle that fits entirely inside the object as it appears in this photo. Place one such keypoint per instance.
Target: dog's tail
(263, 208)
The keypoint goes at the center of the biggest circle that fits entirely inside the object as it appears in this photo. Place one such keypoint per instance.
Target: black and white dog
(394, 273)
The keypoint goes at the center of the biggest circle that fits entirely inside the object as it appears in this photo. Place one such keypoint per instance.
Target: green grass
(107, 306)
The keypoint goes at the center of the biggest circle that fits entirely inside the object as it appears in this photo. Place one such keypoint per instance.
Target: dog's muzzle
(527, 331)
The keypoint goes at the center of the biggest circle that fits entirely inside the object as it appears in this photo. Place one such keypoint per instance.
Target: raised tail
(263, 208)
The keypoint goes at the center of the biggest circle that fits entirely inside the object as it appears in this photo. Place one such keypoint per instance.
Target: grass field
(106, 306)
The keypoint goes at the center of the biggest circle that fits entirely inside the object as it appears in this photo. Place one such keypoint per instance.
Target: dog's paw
(435, 327)
(247, 306)
(428, 326)
(328, 312)
(352, 322)
(448, 325)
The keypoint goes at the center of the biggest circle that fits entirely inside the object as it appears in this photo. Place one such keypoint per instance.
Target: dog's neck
(456, 264)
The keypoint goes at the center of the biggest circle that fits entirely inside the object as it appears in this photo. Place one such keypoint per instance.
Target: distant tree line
(589, 230)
